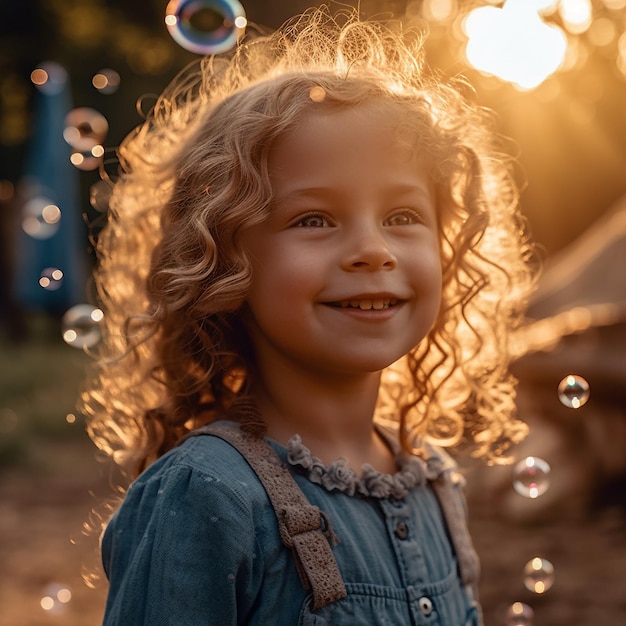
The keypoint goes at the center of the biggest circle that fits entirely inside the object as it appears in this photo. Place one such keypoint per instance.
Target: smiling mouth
(378, 304)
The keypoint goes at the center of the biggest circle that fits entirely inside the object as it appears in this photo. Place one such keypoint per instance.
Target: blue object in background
(49, 178)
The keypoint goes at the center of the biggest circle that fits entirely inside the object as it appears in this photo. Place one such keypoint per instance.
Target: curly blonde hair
(172, 272)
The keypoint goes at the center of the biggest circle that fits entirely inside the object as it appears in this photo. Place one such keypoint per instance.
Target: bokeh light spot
(317, 93)
(440, 10)
(49, 77)
(55, 598)
(51, 214)
(602, 32)
(576, 15)
(106, 81)
(514, 43)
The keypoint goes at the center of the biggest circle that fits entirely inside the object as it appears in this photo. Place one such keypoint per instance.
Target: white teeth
(367, 305)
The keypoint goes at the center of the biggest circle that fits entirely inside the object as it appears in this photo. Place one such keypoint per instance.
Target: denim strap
(304, 529)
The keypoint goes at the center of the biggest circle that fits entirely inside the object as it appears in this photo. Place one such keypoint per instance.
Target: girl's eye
(314, 220)
(403, 218)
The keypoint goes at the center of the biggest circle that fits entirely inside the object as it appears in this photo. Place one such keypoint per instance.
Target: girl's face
(346, 273)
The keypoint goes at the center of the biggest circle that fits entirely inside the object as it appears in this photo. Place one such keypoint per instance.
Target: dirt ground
(44, 541)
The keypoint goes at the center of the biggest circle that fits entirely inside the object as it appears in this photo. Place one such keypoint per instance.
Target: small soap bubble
(106, 81)
(55, 598)
(538, 575)
(531, 477)
(85, 128)
(573, 391)
(519, 614)
(100, 195)
(87, 161)
(49, 77)
(51, 278)
(205, 26)
(81, 326)
(40, 217)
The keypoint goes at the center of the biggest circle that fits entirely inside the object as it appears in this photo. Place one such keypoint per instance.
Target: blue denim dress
(196, 542)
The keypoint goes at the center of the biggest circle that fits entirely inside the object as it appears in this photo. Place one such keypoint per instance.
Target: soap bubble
(49, 77)
(205, 26)
(81, 326)
(40, 217)
(51, 278)
(573, 391)
(519, 614)
(531, 477)
(106, 81)
(55, 598)
(88, 160)
(100, 195)
(538, 575)
(85, 128)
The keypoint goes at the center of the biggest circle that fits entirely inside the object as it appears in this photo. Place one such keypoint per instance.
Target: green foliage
(40, 380)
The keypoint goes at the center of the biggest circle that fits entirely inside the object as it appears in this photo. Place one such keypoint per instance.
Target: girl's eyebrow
(397, 189)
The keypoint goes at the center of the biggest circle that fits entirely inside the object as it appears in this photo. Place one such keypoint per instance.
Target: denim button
(401, 531)
(426, 605)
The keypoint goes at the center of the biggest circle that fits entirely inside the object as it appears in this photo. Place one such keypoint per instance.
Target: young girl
(312, 263)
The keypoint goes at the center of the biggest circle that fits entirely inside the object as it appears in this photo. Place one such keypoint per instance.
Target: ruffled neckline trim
(338, 476)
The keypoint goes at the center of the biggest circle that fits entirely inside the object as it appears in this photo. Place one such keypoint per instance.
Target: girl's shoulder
(207, 462)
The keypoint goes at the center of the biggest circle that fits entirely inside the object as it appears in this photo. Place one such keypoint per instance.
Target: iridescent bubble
(106, 81)
(81, 326)
(88, 160)
(531, 477)
(55, 598)
(205, 26)
(519, 614)
(49, 77)
(100, 195)
(573, 391)
(40, 217)
(538, 575)
(85, 128)
(51, 278)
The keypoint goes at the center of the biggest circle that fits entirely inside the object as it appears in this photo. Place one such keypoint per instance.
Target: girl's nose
(369, 250)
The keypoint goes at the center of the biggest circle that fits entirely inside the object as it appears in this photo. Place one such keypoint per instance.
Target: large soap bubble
(205, 26)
